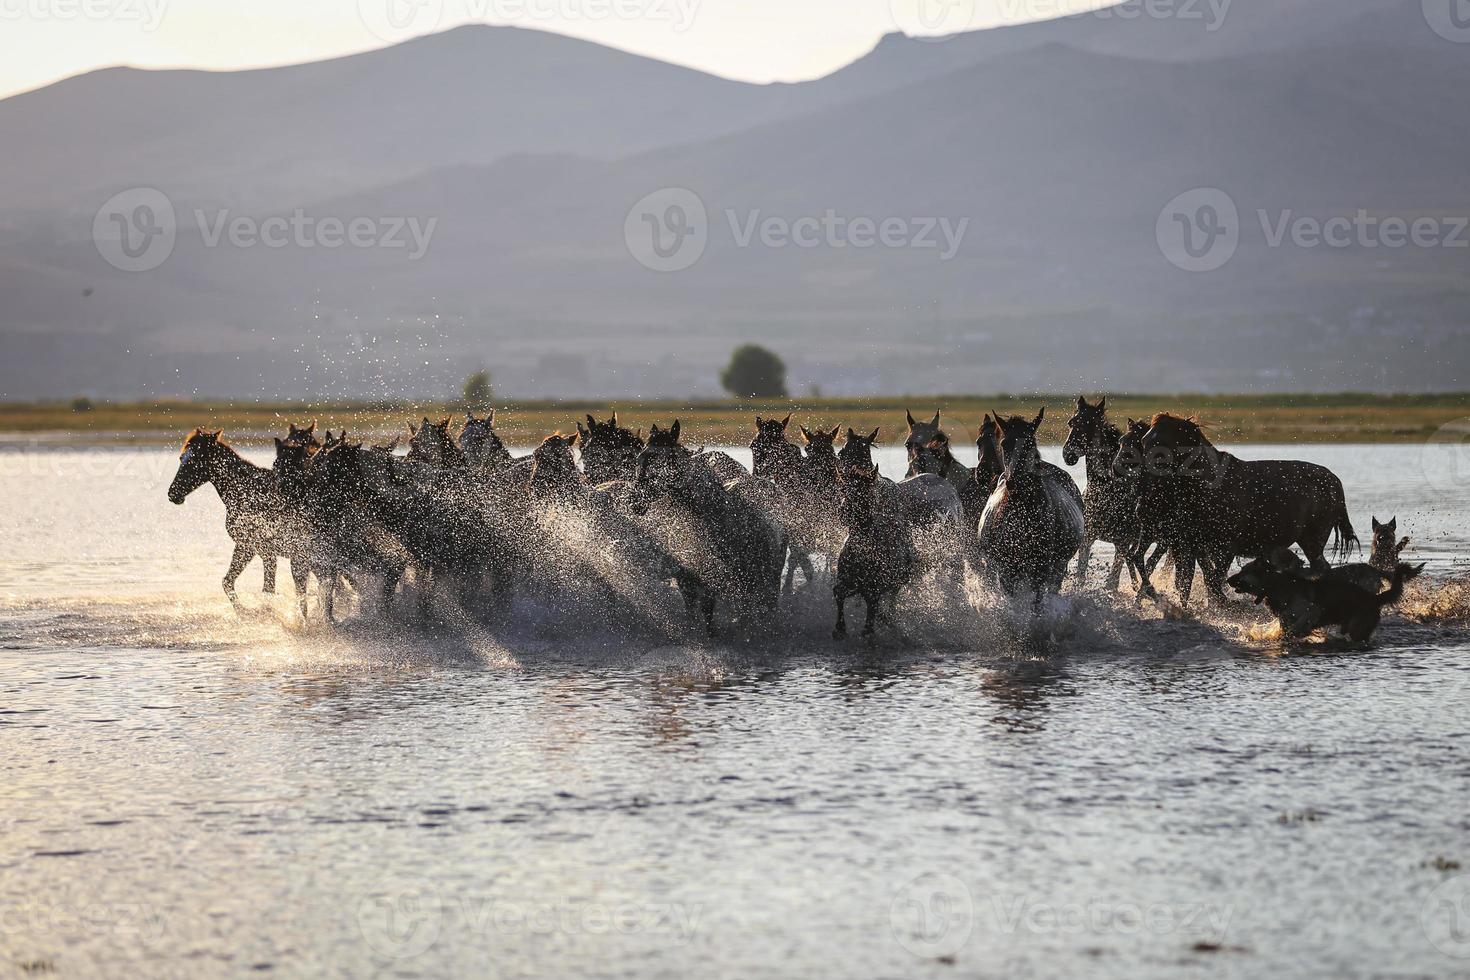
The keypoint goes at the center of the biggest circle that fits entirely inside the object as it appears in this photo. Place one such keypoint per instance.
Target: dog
(1385, 551)
(1303, 604)
(1365, 575)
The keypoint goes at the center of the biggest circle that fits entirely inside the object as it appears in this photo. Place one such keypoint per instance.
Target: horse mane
(216, 436)
(1190, 427)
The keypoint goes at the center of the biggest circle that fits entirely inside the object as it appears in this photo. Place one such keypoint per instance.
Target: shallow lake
(192, 792)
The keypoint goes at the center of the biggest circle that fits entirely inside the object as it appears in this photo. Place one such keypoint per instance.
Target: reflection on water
(190, 792)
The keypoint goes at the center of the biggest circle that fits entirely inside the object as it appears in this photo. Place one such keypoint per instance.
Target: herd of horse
(642, 519)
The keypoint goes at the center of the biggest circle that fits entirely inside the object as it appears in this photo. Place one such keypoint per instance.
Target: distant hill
(1058, 143)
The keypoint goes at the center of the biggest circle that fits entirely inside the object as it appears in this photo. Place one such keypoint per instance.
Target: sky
(42, 41)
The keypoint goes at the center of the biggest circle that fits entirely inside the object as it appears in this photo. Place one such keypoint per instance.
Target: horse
(878, 558)
(1032, 524)
(819, 460)
(431, 443)
(796, 506)
(928, 449)
(1386, 552)
(1225, 506)
(717, 529)
(609, 451)
(1110, 502)
(925, 499)
(303, 436)
(345, 539)
(256, 512)
(480, 443)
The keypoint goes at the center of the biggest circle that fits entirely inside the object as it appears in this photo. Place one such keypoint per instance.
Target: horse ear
(1102, 403)
(491, 417)
(572, 439)
(591, 423)
(614, 420)
(280, 443)
(1036, 422)
(851, 435)
(311, 428)
(786, 421)
(805, 433)
(411, 430)
(873, 436)
(935, 423)
(674, 430)
(910, 416)
(758, 423)
(1081, 402)
(444, 422)
(582, 432)
(214, 436)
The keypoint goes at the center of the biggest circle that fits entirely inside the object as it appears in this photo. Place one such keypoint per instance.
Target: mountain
(1057, 157)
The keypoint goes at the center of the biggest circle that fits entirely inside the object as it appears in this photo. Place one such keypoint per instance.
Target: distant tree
(82, 404)
(754, 372)
(477, 390)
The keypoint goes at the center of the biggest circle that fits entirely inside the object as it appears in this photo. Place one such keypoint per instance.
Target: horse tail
(1402, 572)
(1345, 539)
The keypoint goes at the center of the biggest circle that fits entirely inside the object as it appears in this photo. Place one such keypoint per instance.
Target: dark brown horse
(879, 557)
(1110, 502)
(609, 451)
(1221, 506)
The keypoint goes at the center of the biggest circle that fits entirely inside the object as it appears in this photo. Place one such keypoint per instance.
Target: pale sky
(42, 41)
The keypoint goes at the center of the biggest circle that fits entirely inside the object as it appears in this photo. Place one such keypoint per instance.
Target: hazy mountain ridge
(1059, 156)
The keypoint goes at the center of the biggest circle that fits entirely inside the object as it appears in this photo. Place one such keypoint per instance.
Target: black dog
(1305, 603)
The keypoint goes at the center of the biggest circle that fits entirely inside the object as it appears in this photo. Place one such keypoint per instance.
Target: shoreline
(1280, 419)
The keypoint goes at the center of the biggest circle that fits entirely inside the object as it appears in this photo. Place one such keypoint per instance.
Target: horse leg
(1084, 559)
(238, 561)
(1115, 576)
(839, 595)
(300, 577)
(1215, 568)
(1315, 551)
(326, 580)
(871, 601)
(268, 564)
(1183, 576)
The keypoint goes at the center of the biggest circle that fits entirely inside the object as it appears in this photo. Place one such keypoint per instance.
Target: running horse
(1110, 502)
(1223, 506)
(258, 517)
(1032, 524)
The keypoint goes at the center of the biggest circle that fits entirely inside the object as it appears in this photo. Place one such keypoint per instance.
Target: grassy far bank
(1347, 418)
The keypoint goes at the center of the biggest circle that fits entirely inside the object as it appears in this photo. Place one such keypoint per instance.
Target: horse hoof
(839, 634)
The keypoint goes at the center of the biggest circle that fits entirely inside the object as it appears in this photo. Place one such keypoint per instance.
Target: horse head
(857, 451)
(554, 470)
(857, 490)
(1018, 444)
(431, 443)
(1086, 430)
(196, 460)
(661, 466)
(479, 441)
(991, 462)
(303, 436)
(609, 451)
(922, 434)
(772, 454)
(1128, 462)
(289, 467)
